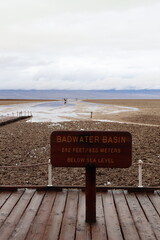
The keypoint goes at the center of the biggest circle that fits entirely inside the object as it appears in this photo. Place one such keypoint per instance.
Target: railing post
(140, 163)
(49, 173)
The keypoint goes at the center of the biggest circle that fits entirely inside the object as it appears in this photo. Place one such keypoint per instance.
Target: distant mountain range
(80, 94)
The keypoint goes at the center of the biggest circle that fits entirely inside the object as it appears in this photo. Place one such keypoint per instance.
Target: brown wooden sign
(97, 148)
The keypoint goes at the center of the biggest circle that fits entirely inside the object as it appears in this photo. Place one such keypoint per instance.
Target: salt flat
(57, 111)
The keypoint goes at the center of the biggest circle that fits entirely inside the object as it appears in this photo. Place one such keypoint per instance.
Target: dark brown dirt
(26, 143)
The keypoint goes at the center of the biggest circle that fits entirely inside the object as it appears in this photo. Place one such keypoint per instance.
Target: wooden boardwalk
(60, 215)
(8, 120)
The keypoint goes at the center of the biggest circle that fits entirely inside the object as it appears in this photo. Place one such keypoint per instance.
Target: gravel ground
(25, 143)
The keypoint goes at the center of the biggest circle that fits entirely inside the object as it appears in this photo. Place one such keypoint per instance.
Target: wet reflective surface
(58, 111)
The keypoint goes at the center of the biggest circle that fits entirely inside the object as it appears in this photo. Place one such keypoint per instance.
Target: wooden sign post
(91, 149)
(90, 193)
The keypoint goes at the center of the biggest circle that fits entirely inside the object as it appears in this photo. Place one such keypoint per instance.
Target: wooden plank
(82, 228)
(138, 212)
(12, 220)
(61, 187)
(150, 213)
(70, 217)
(37, 228)
(98, 229)
(112, 222)
(54, 223)
(9, 205)
(125, 217)
(155, 199)
(23, 226)
(142, 224)
(3, 197)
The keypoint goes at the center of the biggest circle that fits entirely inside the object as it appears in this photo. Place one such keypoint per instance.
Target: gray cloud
(123, 70)
(85, 45)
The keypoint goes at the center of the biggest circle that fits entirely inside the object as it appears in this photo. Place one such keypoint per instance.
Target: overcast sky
(79, 44)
